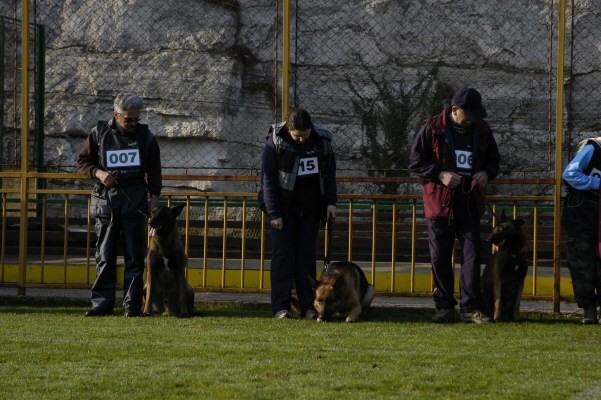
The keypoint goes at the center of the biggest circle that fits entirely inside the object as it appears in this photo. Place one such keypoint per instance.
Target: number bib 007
(123, 158)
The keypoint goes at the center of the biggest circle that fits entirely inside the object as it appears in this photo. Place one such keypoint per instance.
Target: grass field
(238, 351)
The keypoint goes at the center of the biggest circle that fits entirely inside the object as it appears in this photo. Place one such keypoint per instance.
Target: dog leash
(329, 226)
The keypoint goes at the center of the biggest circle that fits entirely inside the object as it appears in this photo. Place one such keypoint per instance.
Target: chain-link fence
(209, 72)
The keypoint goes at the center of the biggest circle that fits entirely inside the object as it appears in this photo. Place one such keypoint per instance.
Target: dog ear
(312, 282)
(503, 216)
(518, 222)
(177, 210)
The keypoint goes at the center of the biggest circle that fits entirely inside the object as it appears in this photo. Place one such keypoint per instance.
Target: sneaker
(282, 314)
(475, 316)
(310, 314)
(589, 317)
(444, 315)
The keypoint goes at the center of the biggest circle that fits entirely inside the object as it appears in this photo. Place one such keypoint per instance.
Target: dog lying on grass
(503, 277)
(342, 290)
(167, 291)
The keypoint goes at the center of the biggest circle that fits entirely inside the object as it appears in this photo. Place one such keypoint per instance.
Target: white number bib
(595, 172)
(464, 159)
(308, 166)
(123, 158)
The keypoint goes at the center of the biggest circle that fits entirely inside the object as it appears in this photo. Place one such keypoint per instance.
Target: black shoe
(133, 313)
(444, 315)
(98, 312)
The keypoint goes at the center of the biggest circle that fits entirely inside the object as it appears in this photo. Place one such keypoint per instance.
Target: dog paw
(351, 319)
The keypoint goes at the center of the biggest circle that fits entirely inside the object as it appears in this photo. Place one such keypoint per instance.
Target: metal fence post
(558, 154)
(24, 144)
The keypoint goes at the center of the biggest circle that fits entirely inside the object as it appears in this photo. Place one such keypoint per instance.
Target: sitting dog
(342, 290)
(503, 277)
(167, 291)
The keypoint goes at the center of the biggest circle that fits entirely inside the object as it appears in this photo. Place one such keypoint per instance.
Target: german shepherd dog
(342, 290)
(167, 291)
(503, 277)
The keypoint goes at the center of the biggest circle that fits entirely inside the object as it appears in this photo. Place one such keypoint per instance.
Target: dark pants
(120, 224)
(293, 257)
(442, 235)
(585, 268)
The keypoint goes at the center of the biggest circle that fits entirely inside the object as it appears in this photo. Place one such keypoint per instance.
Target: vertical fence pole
(285, 57)
(24, 143)
(561, 30)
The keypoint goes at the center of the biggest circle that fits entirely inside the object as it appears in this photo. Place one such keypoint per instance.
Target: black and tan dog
(342, 290)
(503, 277)
(167, 291)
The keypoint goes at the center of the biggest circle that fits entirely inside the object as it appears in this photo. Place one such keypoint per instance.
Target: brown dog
(503, 277)
(343, 290)
(167, 291)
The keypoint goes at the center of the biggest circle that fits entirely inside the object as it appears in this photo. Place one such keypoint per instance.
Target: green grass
(238, 351)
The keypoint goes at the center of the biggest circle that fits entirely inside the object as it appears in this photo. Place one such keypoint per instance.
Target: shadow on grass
(222, 309)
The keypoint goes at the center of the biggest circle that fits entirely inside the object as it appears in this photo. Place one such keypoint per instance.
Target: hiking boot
(310, 314)
(282, 314)
(475, 316)
(589, 316)
(444, 315)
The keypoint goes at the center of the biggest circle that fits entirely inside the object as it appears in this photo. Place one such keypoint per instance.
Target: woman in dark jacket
(298, 190)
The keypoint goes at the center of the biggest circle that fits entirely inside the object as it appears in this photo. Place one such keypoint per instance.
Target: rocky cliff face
(206, 70)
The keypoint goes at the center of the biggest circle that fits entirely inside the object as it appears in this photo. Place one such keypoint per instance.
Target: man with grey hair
(123, 157)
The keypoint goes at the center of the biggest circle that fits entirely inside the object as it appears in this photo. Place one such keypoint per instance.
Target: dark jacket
(109, 136)
(581, 207)
(433, 151)
(280, 167)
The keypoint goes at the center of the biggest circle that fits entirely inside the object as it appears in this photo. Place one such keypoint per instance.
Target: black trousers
(293, 257)
(442, 234)
(120, 222)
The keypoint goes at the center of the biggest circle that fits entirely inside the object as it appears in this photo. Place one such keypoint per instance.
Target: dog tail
(295, 305)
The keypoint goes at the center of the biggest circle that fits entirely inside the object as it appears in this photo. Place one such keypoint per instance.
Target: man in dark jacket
(123, 157)
(456, 155)
(298, 188)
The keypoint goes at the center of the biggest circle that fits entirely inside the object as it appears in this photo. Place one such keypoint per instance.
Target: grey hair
(127, 101)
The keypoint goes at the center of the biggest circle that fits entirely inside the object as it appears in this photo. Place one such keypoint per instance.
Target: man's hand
(106, 178)
(331, 212)
(278, 224)
(449, 179)
(482, 178)
(154, 202)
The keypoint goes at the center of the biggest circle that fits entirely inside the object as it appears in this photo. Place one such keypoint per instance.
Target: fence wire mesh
(209, 72)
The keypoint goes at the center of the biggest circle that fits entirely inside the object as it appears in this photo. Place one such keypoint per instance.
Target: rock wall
(207, 73)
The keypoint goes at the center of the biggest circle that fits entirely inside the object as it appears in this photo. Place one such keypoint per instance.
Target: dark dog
(342, 290)
(503, 277)
(167, 291)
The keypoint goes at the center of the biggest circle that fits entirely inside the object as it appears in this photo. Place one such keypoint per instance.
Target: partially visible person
(456, 156)
(123, 157)
(298, 188)
(580, 218)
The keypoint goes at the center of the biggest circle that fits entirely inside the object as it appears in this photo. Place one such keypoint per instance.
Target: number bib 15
(123, 158)
(308, 166)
